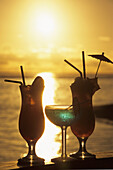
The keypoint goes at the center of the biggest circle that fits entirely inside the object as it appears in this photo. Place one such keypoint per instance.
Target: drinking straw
(69, 107)
(74, 67)
(84, 69)
(22, 75)
(13, 81)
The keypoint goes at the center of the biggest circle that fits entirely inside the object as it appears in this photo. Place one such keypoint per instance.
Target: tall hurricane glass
(61, 116)
(84, 123)
(31, 119)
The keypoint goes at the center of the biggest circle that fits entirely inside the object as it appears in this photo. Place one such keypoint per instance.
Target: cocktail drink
(31, 120)
(62, 116)
(84, 123)
(83, 90)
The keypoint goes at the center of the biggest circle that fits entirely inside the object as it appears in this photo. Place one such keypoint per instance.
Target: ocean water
(57, 91)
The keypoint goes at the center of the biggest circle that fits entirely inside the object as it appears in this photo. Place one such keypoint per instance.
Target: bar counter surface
(103, 160)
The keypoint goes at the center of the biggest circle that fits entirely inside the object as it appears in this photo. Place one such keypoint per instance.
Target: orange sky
(40, 34)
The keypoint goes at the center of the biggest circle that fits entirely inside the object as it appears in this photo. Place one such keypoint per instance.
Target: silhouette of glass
(61, 116)
(84, 123)
(31, 120)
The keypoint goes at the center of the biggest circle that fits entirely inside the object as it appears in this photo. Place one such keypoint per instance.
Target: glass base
(61, 159)
(83, 155)
(30, 160)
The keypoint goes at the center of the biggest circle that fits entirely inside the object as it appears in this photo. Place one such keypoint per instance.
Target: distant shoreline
(56, 75)
(104, 111)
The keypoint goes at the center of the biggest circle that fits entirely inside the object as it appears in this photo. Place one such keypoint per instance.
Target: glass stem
(82, 142)
(31, 145)
(64, 155)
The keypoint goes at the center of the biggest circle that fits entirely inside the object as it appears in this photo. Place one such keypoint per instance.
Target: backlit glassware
(62, 116)
(31, 120)
(84, 123)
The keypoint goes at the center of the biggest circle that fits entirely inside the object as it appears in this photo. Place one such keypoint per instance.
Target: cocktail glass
(84, 123)
(61, 116)
(82, 129)
(31, 120)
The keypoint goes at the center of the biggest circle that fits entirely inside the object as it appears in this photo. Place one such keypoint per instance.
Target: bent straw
(13, 81)
(74, 67)
(84, 69)
(22, 75)
(69, 107)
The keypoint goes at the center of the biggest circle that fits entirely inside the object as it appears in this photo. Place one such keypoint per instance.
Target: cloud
(32, 62)
(7, 58)
(51, 61)
(104, 38)
(48, 59)
(6, 48)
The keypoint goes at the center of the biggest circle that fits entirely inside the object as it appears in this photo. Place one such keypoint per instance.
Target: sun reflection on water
(47, 147)
(50, 86)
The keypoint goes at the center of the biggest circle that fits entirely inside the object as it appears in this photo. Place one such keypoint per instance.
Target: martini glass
(31, 121)
(62, 116)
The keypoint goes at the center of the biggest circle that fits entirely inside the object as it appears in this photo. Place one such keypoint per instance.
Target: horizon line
(58, 75)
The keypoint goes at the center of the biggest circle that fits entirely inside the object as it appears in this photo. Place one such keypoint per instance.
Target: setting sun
(30, 27)
(46, 24)
(39, 36)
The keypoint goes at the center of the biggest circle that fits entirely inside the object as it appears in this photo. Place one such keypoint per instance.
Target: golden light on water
(47, 147)
(49, 90)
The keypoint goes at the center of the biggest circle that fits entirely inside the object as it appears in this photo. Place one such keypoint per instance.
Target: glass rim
(58, 106)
